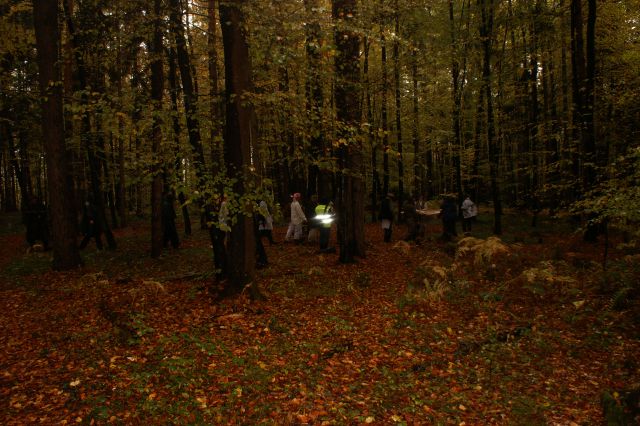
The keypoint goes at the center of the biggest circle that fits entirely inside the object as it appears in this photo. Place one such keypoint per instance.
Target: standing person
(34, 217)
(261, 254)
(469, 213)
(448, 214)
(265, 222)
(323, 219)
(386, 216)
(411, 219)
(169, 232)
(90, 226)
(217, 237)
(297, 219)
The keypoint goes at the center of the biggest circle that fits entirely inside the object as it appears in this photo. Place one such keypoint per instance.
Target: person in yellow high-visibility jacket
(324, 217)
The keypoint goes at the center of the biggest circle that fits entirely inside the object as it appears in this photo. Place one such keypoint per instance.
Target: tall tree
(91, 140)
(188, 89)
(398, 98)
(172, 80)
(373, 138)
(318, 180)
(578, 73)
(457, 102)
(157, 86)
(63, 229)
(486, 35)
(351, 201)
(214, 90)
(237, 139)
(385, 114)
(590, 159)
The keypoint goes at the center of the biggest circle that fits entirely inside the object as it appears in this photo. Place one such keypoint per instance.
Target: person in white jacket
(469, 213)
(297, 219)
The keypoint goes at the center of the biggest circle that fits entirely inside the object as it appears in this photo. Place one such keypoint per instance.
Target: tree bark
(190, 95)
(319, 179)
(385, 118)
(63, 229)
(457, 105)
(214, 90)
(373, 138)
(398, 98)
(486, 35)
(590, 158)
(238, 133)
(577, 83)
(177, 165)
(88, 137)
(351, 200)
(157, 86)
(418, 181)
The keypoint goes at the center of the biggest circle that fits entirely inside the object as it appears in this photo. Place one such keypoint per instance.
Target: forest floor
(524, 331)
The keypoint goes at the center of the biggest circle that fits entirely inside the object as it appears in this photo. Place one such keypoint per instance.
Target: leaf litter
(129, 340)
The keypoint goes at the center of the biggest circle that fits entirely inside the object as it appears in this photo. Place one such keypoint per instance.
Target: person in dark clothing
(411, 219)
(265, 222)
(386, 216)
(448, 214)
(34, 217)
(90, 226)
(217, 236)
(324, 217)
(261, 254)
(169, 232)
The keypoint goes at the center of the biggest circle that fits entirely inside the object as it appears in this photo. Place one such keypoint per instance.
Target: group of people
(321, 216)
(318, 221)
(448, 214)
(218, 218)
(35, 220)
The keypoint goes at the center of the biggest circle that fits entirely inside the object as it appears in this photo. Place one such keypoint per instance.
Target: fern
(620, 298)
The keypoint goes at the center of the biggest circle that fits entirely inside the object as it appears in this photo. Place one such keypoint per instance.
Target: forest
(117, 118)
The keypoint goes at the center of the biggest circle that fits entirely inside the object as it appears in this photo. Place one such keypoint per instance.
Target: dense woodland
(527, 104)
(529, 107)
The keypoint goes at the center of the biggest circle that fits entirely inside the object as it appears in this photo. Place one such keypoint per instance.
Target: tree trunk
(486, 34)
(88, 137)
(577, 83)
(190, 95)
(157, 86)
(214, 90)
(20, 165)
(457, 106)
(177, 165)
(373, 138)
(385, 118)
(418, 183)
(238, 134)
(590, 159)
(319, 179)
(396, 75)
(351, 201)
(63, 221)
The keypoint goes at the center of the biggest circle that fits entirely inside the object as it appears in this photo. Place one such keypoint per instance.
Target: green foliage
(621, 282)
(617, 199)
